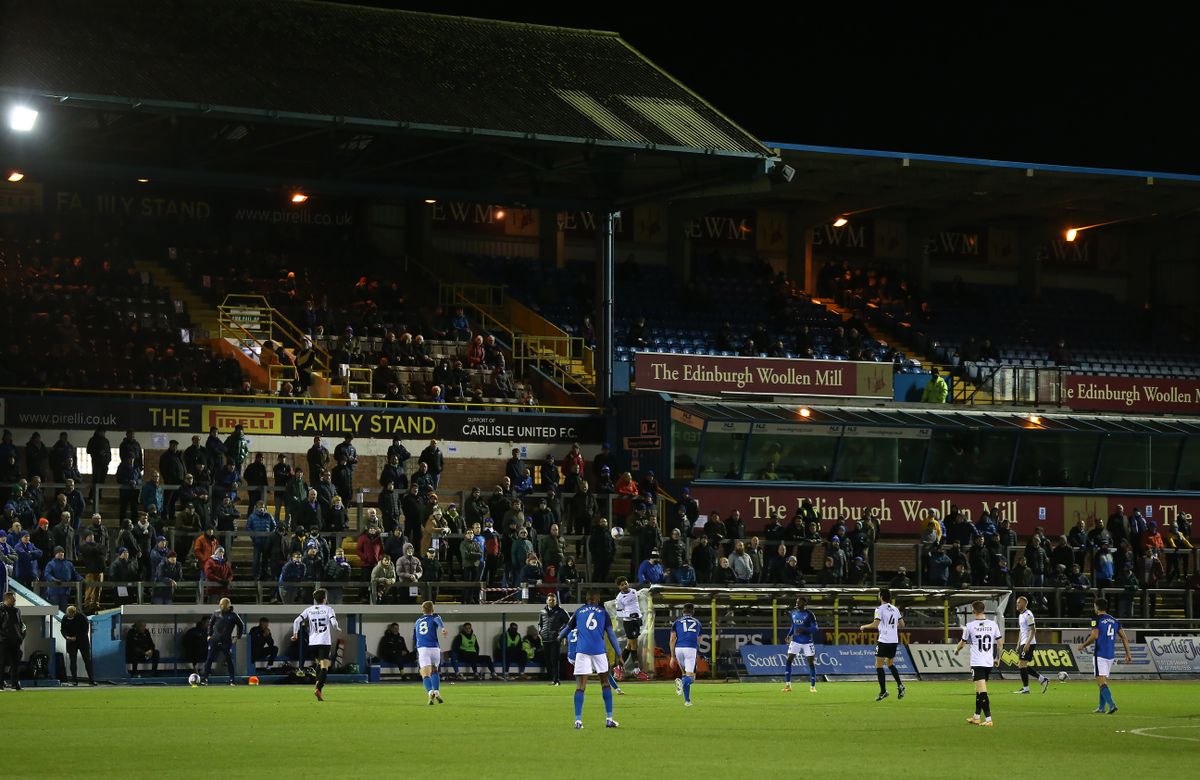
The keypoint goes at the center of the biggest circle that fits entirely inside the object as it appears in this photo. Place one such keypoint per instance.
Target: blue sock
(687, 688)
(607, 693)
(1102, 698)
(428, 683)
(1108, 697)
(787, 671)
(578, 704)
(812, 676)
(436, 681)
(613, 682)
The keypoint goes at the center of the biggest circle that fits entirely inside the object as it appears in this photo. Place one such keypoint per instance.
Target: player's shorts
(1104, 666)
(885, 649)
(591, 664)
(633, 627)
(319, 652)
(429, 656)
(1027, 653)
(807, 649)
(981, 673)
(686, 657)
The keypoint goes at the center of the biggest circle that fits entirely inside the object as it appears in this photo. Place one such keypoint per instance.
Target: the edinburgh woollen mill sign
(711, 375)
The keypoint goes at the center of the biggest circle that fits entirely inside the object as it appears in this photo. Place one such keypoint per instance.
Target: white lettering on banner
(719, 228)
(953, 243)
(1175, 655)
(849, 236)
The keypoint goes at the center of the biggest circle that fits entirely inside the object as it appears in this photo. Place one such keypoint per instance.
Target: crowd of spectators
(78, 315)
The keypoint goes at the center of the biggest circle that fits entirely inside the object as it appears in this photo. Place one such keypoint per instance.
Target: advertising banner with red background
(1131, 394)
(905, 512)
(705, 374)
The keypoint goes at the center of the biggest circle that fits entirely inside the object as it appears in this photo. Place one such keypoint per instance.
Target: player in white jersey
(888, 621)
(629, 612)
(1026, 644)
(322, 623)
(986, 642)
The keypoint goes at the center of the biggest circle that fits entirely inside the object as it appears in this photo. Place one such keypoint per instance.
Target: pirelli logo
(252, 420)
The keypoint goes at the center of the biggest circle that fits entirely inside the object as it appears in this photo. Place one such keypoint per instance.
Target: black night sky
(1085, 84)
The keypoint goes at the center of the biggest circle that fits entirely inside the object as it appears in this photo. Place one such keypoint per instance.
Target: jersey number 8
(423, 629)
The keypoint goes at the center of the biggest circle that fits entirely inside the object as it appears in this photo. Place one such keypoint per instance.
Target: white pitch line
(1142, 732)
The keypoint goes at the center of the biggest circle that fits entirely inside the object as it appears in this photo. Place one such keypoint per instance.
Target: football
(193, 679)
(1063, 676)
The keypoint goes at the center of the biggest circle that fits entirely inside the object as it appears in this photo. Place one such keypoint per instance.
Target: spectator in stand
(493, 356)
(741, 564)
(100, 451)
(514, 467)
(129, 477)
(703, 559)
(27, 568)
(282, 474)
(290, 574)
(858, 572)
(383, 578)
(476, 355)
(650, 572)
(166, 577)
(408, 573)
(317, 458)
(218, 575)
(901, 580)
(37, 458)
(262, 526)
(336, 574)
(434, 461)
(255, 478)
(602, 549)
(60, 570)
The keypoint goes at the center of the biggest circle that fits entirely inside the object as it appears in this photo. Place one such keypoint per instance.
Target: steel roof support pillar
(606, 286)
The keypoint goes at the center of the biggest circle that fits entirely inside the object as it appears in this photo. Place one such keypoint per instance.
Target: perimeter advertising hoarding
(905, 512)
(1131, 394)
(830, 660)
(712, 375)
(85, 413)
(1175, 654)
(1049, 659)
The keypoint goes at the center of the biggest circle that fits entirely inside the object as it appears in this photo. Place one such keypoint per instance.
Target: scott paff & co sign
(712, 375)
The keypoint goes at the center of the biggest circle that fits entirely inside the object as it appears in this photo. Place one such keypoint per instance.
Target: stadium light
(1072, 233)
(299, 197)
(143, 180)
(805, 412)
(22, 118)
(431, 201)
(840, 222)
(499, 214)
(15, 176)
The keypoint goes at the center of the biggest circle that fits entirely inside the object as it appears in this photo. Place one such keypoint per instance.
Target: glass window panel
(970, 457)
(721, 453)
(866, 459)
(775, 454)
(1124, 462)
(1056, 459)
(685, 447)
(1189, 468)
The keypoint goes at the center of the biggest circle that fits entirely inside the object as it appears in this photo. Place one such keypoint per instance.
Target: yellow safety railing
(252, 317)
(358, 380)
(561, 356)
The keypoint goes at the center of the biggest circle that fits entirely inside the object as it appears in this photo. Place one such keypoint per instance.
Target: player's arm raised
(1125, 641)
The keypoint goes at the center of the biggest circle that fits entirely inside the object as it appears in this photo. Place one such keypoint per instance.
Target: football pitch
(494, 730)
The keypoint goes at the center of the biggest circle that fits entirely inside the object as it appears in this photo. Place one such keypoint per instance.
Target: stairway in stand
(202, 313)
(965, 391)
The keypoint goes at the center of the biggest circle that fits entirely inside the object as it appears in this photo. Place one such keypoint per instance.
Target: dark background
(1101, 84)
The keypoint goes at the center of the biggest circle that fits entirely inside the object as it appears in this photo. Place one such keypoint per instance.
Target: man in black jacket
(78, 632)
(262, 643)
(172, 470)
(12, 634)
(514, 469)
(393, 649)
(195, 644)
(255, 478)
(432, 457)
(551, 620)
(602, 548)
(100, 451)
(220, 639)
(140, 649)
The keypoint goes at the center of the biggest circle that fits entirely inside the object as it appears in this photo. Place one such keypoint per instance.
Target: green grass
(519, 730)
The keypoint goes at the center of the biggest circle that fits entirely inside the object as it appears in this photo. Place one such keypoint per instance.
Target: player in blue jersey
(685, 645)
(429, 652)
(592, 624)
(572, 643)
(1105, 630)
(801, 640)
